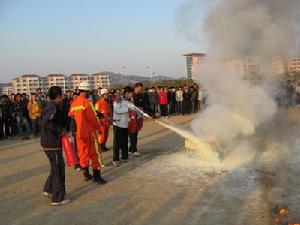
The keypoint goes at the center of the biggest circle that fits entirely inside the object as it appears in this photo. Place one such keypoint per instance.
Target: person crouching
(51, 131)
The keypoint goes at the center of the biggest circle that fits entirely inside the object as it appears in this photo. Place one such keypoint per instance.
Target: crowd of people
(19, 113)
(289, 94)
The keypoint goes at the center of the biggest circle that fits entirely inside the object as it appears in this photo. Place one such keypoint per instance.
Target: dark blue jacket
(51, 123)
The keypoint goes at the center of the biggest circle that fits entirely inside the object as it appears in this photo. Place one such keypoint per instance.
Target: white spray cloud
(241, 29)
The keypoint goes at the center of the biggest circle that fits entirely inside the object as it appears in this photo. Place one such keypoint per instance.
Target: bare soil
(163, 186)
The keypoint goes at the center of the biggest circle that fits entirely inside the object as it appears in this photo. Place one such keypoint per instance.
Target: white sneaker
(136, 154)
(46, 194)
(63, 202)
(116, 163)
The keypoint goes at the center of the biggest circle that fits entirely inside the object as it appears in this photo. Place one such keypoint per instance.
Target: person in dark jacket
(1, 118)
(186, 103)
(51, 131)
(7, 116)
(153, 100)
(65, 110)
(173, 102)
(141, 101)
(21, 115)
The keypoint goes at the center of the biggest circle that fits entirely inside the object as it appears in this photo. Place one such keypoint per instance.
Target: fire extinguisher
(69, 150)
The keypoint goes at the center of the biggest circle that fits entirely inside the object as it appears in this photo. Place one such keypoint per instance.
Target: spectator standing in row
(154, 100)
(66, 105)
(289, 93)
(179, 99)
(163, 102)
(1, 117)
(7, 108)
(35, 110)
(194, 99)
(172, 101)
(186, 103)
(21, 116)
(200, 99)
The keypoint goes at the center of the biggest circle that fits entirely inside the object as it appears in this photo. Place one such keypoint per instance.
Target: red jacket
(163, 98)
(134, 123)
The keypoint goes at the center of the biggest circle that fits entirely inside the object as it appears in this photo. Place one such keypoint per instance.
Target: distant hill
(120, 79)
(4, 84)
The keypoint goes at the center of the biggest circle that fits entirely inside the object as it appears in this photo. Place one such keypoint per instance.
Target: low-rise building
(100, 80)
(57, 80)
(294, 65)
(7, 90)
(76, 79)
(27, 83)
(246, 68)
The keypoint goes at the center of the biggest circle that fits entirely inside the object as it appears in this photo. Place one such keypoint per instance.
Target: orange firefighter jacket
(102, 106)
(86, 120)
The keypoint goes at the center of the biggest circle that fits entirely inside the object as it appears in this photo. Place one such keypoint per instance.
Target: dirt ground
(163, 186)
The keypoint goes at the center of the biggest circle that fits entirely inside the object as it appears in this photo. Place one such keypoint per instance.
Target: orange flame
(284, 212)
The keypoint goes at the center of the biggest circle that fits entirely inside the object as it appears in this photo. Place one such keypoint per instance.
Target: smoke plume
(241, 30)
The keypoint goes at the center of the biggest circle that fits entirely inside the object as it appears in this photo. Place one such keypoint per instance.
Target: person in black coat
(186, 103)
(51, 131)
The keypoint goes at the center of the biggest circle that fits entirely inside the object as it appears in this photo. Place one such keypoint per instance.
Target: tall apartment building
(57, 80)
(27, 83)
(76, 79)
(100, 80)
(193, 64)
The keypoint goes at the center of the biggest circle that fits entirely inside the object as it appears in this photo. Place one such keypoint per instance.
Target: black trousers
(1, 128)
(120, 142)
(7, 124)
(55, 183)
(133, 138)
(164, 110)
(173, 107)
(35, 127)
(179, 107)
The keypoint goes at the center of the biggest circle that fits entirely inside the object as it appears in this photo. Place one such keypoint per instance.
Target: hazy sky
(74, 36)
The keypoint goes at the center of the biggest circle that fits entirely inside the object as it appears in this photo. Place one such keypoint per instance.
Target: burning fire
(284, 212)
(283, 216)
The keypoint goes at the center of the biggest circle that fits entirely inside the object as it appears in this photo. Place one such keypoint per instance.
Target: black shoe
(106, 148)
(86, 174)
(97, 177)
(77, 168)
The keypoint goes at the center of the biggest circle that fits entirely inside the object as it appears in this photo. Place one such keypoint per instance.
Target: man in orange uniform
(87, 124)
(102, 106)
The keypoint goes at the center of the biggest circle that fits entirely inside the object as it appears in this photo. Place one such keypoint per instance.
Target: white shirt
(179, 97)
(120, 113)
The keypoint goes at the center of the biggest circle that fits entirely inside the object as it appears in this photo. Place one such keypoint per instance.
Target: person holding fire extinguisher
(51, 132)
(102, 106)
(87, 124)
